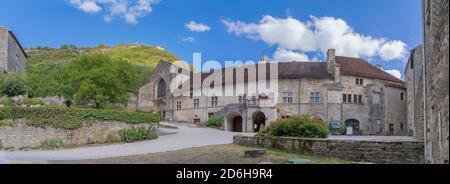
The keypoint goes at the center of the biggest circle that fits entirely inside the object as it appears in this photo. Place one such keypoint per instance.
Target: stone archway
(235, 123)
(258, 120)
(355, 125)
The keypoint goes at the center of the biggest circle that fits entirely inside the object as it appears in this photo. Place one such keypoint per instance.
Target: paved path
(186, 137)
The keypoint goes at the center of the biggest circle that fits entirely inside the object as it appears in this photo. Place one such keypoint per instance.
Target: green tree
(13, 84)
(98, 79)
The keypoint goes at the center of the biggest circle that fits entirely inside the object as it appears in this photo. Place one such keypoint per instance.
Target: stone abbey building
(341, 91)
(12, 56)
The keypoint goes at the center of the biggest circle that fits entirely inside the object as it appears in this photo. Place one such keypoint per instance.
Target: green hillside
(45, 65)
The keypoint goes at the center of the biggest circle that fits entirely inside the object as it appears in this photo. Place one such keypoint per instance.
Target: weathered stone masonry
(21, 135)
(436, 46)
(397, 152)
(12, 55)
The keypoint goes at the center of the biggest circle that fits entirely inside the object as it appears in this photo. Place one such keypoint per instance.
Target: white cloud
(129, 10)
(197, 27)
(317, 35)
(188, 39)
(394, 72)
(87, 6)
(283, 55)
(392, 50)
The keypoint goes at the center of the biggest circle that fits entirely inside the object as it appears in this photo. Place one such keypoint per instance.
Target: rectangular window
(196, 103)
(402, 96)
(355, 98)
(178, 105)
(349, 98)
(288, 97)
(344, 99)
(211, 114)
(359, 81)
(214, 101)
(315, 97)
(360, 99)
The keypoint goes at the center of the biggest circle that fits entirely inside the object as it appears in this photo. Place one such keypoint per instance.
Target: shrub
(113, 138)
(136, 134)
(7, 111)
(297, 126)
(52, 144)
(13, 84)
(73, 118)
(214, 122)
(343, 130)
(30, 102)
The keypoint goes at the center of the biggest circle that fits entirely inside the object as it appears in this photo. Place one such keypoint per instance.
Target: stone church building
(12, 56)
(341, 91)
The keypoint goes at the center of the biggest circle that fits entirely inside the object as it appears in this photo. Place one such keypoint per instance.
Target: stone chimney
(264, 58)
(332, 67)
(378, 66)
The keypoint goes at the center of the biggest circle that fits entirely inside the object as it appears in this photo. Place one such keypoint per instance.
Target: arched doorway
(235, 123)
(259, 121)
(354, 124)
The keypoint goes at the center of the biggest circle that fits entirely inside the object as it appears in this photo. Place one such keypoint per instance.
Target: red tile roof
(318, 70)
(361, 68)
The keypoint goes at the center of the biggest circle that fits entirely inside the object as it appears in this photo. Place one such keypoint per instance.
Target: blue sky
(380, 31)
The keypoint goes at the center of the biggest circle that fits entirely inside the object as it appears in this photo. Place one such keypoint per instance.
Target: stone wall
(436, 46)
(3, 49)
(21, 135)
(12, 58)
(399, 152)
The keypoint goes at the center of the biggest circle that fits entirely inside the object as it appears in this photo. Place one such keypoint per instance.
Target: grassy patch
(218, 154)
(74, 118)
(52, 144)
(5, 123)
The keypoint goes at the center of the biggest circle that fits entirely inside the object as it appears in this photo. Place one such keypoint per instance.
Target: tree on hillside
(98, 79)
(13, 84)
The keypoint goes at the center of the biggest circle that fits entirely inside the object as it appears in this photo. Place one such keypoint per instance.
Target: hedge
(74, 118)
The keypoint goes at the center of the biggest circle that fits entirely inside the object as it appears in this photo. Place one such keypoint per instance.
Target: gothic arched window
(161, 89)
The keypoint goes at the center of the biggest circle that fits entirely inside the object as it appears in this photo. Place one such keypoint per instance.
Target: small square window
(315, 97)
(288, 97)
(178, 105)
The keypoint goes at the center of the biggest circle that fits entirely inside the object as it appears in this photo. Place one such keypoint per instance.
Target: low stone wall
(397, 152)
(21, 135)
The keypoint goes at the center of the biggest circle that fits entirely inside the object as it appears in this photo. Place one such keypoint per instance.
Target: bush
(214, 122)
(297, 126)
(73, 118)
(343, 130)
(13, 85)
(7, 111)
(136, 134)
(113, 138)
(30, 102)
(52, 144)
